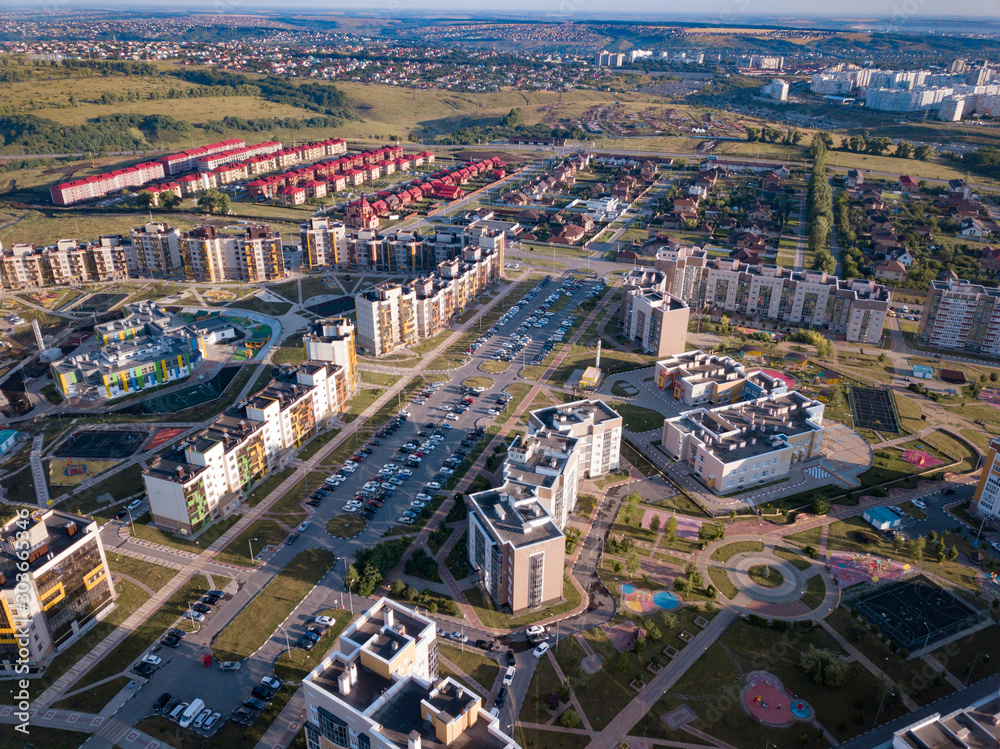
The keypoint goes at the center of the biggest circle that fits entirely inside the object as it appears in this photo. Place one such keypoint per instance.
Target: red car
(207, 660)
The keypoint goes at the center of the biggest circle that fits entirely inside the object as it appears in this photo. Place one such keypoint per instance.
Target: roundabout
(784, 581)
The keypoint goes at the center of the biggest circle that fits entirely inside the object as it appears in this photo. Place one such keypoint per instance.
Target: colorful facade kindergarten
(142, 350)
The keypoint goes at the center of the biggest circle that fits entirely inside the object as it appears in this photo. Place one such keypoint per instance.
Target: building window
(333, 728)
(312, 738)
(743, 469)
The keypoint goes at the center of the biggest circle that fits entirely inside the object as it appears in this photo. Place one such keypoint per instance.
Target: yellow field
(88, 469)
(195, 111)
(35, 227)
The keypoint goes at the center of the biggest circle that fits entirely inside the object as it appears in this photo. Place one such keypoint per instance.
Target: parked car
(275, 684)
(230, 665)
(262, 693)
(152, 660)
(501, 697)
(540, 650)
(170, 642)
(535, 630)
(204, 715)
(144, 669)
(212, 720)
(161, 702)
(508, 677)
(201, 608)
(254, 703)
(244, 715)
(194, 616)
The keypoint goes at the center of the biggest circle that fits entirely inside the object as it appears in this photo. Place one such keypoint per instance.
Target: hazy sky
(711, 10)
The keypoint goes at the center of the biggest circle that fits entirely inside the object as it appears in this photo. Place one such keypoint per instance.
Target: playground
(768, 702)
(100, 444)
(189, 397)
(915, 613)
(921, 458)
(72, 471)
(687, 527)
(646, 602)
(255, 342)
(850, 568)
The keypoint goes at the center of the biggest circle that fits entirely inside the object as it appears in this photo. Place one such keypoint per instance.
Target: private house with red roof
(450, 192)
(380, 207)
(354, 177)
(315, 188)
(177, 163)
(907, 184)
(337, 182)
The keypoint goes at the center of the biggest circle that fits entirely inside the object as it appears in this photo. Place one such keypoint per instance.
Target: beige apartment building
(656, 320)
(596, 427)
(157, 249)
(251, 257)
(516, 547)
(323, 243)
(379, 689)
(332, 339)
(740, 446)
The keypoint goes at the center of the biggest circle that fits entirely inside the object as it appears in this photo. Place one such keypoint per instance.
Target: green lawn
(206, 539)
(268, 485)
(492, 366)
(259, 533)
(543, 682)
(722, 582)
(316, 443)
(379, 378)
(93, 700)
(360, 402)
(638, 419)
(152, 575)
(260, 618)
(492, 617)
(472, 661)
(727, 552)
(810, 537)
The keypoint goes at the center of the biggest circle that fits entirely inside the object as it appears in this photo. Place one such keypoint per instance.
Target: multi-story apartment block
(987, 497)
(157, 249)
(547, 465)
(407, 251)
(738, 446)
(323, 243)
(67, 263)
(208, 162)
(250, 257)
(55, 584)
(961, 316)
(595, 426)
(204, 479)
(185, 161)
(391, 315)
(379, 689)
(696, 378)
(99, 185)
(656, 320)
(853, 308)
(332, 339)
(516, 547)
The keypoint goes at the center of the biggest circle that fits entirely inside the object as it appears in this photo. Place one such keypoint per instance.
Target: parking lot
(389, 481)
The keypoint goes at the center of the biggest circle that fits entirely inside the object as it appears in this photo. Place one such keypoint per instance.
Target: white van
(192, 712)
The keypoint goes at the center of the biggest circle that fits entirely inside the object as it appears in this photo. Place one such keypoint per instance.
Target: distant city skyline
(711, 11)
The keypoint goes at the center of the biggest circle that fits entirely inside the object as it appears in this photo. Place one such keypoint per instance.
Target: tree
(215, 202)
(565, 690)
(904, 149)
(654, 522)
(924, 153)
(623, 663)
(670, 528)
(631, 506)
(616, 566)
(570, 719)
(681, 585)
(632, 563)
(824, 666)
(144, 199)
(821, 506)
(640, 645)
(916, 548)
(170, 200)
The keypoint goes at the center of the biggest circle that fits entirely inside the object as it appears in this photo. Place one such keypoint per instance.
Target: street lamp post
(287, 645)
(880, 703)
(130, 523)
(350, 600)
(986, 659)
(250, 544)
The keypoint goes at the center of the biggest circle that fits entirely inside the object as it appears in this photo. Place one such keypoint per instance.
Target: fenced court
(189, 397)
(100, 444)
(99, 303)
(915, 613)
(874, 409)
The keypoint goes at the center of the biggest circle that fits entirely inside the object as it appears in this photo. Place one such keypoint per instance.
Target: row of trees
(371, 565)
(319, 97)
(267, 124)
(768, 134)
(195, 92)
(819, 208)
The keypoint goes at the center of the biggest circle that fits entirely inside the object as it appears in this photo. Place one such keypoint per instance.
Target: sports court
(915, 613)
(338, 306)
(874, 409)
(190, 397)
(99, 303)
(100, 444)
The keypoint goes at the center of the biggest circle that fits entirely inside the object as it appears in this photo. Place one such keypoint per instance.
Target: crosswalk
(816, 472)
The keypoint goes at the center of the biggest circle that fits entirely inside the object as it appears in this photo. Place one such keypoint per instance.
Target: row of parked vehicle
(254, 705)
(188, 714)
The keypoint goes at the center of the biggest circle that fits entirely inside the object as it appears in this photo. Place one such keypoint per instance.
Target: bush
(570, 719)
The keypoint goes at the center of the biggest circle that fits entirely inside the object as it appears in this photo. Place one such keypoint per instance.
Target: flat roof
(568, 415)
(514, 515)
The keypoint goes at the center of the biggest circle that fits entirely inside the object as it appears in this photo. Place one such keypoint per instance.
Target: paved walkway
(611, 736)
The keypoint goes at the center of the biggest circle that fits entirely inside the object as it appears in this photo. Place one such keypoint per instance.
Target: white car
(269, 681)
(508, 677)
(418, 504)
(304, 524)
(405, 521)
(434, 485)
(451, 417)
(540, 650)
(424, 497)
(920, 505)
(194, 616)
(152, 660)
(405, 413)
(493, 412)
(326, 621)
(535, 630)
(447, 471)
(202, 717)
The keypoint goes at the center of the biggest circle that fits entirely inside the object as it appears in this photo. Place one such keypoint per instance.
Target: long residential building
(67, 263)
(986, 500)
(379, 688)
(254, 256)
(853, 308)
(205, 478)
(391, 315)
(157, 249)
(99, 185)
(185, 161)
(594, 424)
(55, 585)
(961, 316)
(739, 446)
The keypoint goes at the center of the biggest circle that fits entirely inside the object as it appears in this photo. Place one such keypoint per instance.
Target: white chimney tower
(597, 364)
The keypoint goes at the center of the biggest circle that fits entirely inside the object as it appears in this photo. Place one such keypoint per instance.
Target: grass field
(491, 617)
(293, 665)
(152, 575)
(45, 227)
(484, 670)
(260, 618)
